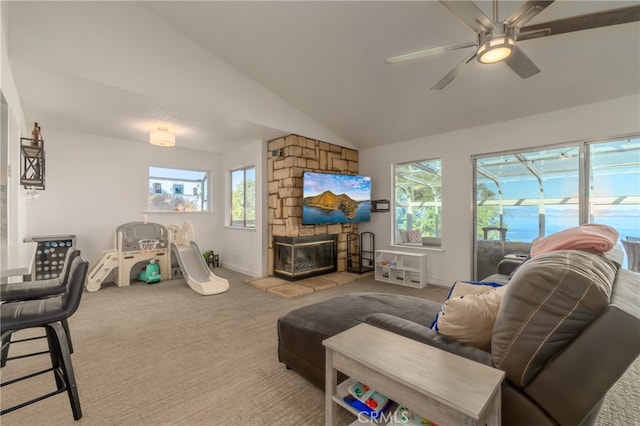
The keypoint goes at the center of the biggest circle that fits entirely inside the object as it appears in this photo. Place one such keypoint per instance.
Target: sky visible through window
(519, 182)
(177, 190)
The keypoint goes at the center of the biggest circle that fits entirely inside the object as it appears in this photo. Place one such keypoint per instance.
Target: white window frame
(428, 241)
(187, 189)
(246, 222)
(589, 196)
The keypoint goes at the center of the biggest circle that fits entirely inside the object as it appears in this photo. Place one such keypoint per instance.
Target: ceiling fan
(496, 41)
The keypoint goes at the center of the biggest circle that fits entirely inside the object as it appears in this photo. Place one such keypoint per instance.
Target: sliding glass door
(527, 194)
(614, 185)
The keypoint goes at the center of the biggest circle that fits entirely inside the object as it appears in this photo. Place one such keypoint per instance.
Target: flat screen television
(333, 198)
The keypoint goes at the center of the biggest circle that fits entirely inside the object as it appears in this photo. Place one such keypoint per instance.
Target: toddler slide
(195, 270)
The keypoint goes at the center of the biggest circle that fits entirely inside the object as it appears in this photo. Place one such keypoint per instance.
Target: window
(177, 190)
(243, 197)
(418, 203)
(614, 185)
(527, 194)
(533, 194)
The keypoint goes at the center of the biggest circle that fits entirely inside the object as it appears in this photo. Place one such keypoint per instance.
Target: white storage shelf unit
(404, 268)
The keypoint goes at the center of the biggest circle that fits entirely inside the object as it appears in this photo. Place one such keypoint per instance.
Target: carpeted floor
(163, 355)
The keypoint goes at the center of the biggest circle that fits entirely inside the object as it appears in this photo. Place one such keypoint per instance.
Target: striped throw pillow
(414, 236)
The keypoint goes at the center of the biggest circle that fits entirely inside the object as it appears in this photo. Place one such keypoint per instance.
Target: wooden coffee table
(443, 387)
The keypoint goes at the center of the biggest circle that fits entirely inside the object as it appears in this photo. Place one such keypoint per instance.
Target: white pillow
(469, 318)
(462, 288)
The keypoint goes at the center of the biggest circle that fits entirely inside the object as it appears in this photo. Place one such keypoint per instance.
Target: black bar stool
(37, 290)
(49, 314)
(40, 288)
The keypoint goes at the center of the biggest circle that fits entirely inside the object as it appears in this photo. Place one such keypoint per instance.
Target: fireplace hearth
(302, 257)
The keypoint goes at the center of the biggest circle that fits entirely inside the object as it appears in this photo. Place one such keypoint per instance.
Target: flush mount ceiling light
(162, 137)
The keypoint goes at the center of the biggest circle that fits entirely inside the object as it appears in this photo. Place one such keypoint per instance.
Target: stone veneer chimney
(288, 158)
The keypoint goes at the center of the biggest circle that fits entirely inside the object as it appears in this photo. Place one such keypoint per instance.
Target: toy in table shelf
(366, 400)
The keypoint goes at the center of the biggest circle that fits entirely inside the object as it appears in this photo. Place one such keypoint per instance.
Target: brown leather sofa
(567, 329)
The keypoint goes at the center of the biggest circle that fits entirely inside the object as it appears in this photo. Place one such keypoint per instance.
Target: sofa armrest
(507, 266)
(427, 336)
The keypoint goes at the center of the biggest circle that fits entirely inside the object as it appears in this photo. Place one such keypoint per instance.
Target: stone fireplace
(288, 158)
(302, 257)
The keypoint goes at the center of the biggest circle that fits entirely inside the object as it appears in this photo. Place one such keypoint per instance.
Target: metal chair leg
(62, 349)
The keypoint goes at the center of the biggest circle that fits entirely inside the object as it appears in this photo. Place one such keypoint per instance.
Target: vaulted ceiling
(220, 74)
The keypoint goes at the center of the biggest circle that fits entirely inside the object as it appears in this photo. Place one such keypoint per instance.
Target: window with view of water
(418, 203)
(614, 185)
(524, 195)
(177, 190)
(243, 197)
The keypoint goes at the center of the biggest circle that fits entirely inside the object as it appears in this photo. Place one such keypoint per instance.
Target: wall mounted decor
(32, 163)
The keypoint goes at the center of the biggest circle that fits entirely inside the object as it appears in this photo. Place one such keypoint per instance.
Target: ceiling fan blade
(527, 12)
(581, 22)
(470, 14)
(429, 52)
(455, 72)
(520, 63)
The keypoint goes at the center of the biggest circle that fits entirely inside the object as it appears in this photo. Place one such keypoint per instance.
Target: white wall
(245, 250)
(10, 179)
(616, 117)
(94, 184)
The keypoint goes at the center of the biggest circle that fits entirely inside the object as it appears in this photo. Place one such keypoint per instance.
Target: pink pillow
(414, 236)
(590, 236)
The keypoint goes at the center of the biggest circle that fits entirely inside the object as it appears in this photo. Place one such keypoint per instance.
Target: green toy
(150, 273)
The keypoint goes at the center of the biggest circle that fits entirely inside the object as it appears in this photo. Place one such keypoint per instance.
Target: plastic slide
(195, 270)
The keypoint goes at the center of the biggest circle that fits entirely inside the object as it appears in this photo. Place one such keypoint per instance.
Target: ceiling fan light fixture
(496, 49)
(162, 137)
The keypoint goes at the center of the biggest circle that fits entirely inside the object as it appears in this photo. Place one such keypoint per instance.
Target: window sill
(176, 212)
(417, 247)
(239, 228)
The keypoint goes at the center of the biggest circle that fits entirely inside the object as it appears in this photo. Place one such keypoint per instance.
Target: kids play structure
(193, 266)
(152, 243)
